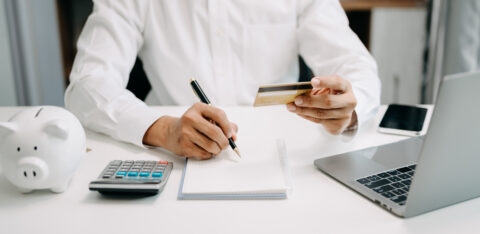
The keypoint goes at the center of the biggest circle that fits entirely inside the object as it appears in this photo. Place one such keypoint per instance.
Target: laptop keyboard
(393, 184)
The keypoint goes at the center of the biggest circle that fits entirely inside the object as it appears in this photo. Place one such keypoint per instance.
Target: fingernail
(298, 101)
(315, 82)
(291, 107)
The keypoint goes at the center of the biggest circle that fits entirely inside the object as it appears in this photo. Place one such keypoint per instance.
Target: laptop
(423, 173)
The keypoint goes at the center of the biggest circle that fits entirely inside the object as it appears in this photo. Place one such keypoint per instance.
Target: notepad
(261, 173)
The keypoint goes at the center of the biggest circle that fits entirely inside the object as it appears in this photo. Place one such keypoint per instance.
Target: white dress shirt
(230, 46)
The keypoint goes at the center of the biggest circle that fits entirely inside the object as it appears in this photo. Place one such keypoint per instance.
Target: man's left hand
(330, 103)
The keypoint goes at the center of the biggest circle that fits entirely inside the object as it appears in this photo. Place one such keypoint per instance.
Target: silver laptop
(422, 174)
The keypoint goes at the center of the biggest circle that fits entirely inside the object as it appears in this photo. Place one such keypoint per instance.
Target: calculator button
(135, 170)
(162, 162)
(116, 163)
(106, 176)
(119, 176)
(121, 173)
(144, 174)
(132, 174)
(157, 174)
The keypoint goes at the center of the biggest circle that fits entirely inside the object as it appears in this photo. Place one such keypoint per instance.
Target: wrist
(157, 133)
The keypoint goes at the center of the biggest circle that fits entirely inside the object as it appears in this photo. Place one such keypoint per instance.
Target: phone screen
(409, 118)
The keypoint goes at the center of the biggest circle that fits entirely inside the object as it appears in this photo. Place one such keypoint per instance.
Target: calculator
(130, 176)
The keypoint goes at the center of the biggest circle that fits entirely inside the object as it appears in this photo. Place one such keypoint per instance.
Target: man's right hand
(193, 134)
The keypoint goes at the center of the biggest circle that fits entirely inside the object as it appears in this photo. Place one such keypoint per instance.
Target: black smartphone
(403, 119)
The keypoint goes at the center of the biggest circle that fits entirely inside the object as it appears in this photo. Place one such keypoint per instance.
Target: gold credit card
(276, 94)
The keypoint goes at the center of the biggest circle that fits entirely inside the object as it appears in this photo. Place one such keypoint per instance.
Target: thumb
(317, 89)
(315, 83)
(235, 128)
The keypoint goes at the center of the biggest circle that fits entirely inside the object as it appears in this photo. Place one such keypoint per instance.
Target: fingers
(325, 98)
(196, 152)
(205, 127)
(235, 127)
(335, 83)
(213, 133)
(318, 113)
(315, 120)
(331, 103)
(219, 117)
(206, 143)
(324, 101)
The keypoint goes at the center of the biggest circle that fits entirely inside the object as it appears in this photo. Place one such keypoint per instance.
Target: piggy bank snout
(32, 169)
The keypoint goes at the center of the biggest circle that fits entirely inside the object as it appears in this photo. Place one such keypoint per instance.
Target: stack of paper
(262, 172)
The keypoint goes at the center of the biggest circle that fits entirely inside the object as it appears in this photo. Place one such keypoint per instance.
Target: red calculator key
(162, 162)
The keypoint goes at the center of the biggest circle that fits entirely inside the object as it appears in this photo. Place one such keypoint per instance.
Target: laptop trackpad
(360, 163)
(399, 154)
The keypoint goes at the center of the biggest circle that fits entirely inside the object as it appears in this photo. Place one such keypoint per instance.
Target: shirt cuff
(135, 123)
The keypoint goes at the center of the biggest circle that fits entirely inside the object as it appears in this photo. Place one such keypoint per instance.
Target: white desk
(318, 204)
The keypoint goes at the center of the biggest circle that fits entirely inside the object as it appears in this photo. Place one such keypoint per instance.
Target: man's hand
(330, 103)
(194, 134)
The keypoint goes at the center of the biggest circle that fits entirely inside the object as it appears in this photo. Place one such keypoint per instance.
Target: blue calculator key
(122, 173)
(157, 174)
(132, 174)
(144, 174)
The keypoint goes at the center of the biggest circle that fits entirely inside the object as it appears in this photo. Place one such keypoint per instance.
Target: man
(231, 47)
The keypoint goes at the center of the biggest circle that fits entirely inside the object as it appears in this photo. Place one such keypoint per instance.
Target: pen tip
(238, 152)
(192, 79)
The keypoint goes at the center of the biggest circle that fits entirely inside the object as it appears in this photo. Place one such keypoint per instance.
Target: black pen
(203, 98)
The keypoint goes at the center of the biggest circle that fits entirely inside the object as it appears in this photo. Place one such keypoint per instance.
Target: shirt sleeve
(330, 47)
(107, 49)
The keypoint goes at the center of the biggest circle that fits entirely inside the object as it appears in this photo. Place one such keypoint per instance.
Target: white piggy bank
(41, 147)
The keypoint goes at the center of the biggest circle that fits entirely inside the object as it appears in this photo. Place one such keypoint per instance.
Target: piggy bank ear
(57, 128)
(7, 128)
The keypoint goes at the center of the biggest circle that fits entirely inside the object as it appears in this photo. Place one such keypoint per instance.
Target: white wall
(397, 43)
(7, 85)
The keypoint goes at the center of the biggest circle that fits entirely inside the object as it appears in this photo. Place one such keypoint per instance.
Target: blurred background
(415, 43)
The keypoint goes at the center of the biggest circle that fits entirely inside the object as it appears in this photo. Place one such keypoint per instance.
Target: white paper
(259, 171)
